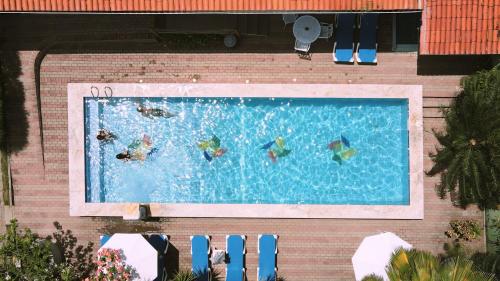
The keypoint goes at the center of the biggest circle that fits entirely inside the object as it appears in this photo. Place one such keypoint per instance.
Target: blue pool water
(178, 172)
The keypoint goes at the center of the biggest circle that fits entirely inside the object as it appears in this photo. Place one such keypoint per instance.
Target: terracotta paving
(309, 249)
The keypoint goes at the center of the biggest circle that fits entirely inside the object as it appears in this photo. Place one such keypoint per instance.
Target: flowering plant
(463, 230)
(111, 266)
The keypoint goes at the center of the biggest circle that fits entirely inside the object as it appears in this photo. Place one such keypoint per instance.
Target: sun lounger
(160, 243)
(200, 250)
(344, 45)
(267, 248)
(367, 46)
(103, 239)
(235, 250)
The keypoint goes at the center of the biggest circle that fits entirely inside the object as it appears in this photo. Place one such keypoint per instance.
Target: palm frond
(469, 154)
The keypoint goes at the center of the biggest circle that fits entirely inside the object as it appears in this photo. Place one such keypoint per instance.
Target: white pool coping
(76, 140)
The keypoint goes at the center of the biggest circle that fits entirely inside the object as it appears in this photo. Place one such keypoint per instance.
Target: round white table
(306, 29)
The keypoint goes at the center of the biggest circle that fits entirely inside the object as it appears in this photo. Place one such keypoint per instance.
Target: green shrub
(463, 230)
(76, 261)
(372, 277)
(24, 255)
(188, 275)
(489, 263)
(184, 275)
(415, 265)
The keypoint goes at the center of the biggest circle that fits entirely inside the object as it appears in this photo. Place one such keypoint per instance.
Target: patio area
(309, 249)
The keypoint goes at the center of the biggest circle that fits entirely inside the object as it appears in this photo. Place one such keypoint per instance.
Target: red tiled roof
(460, 27)
(203, 5)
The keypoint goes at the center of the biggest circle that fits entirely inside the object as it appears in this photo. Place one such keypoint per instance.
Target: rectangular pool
(179, 171)
(246, 150)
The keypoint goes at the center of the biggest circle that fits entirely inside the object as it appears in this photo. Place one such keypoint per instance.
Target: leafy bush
(24, 255)
(493, 231)
(372, 277)
(463, 230)
(415, 265)
(487, 263)
(469, 156)
(76, 260)
(188, 275)
(184, 275)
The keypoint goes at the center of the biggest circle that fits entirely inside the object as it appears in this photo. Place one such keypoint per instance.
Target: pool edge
(415, 210)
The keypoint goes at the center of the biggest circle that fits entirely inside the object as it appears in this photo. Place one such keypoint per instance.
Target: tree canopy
(469, 156)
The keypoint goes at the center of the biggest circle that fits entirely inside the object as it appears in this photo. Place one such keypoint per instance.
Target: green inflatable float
(341, 149)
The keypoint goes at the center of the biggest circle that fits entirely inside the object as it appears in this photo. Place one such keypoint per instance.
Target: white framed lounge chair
(103, 239)
(235, 251)
(200, 252)
(366, 49)
(161, 243)
(343, 47)
(267, 248)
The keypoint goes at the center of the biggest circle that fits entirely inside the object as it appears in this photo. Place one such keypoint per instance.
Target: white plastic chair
(289, 18)
(302, 47)
(326, 30)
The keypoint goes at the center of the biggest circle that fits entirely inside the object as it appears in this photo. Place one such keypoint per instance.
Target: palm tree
(183, 275)
(469, 157)
(414, 265)
(372, 277)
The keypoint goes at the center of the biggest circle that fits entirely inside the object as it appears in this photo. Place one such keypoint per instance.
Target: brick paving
(309, 249)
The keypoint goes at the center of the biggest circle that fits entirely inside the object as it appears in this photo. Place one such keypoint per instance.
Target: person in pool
(105, 136)
(138, 150)
(150, 112)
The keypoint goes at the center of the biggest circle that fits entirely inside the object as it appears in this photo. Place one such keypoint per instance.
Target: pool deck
(76, 138)
(309, 249)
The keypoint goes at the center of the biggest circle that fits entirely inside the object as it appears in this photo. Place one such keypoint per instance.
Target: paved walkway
(309, 249)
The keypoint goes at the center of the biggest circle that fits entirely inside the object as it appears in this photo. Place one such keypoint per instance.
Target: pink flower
(110, 266)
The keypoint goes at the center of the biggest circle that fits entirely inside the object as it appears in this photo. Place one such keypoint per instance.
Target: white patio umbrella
(138, 253)
(374, 254)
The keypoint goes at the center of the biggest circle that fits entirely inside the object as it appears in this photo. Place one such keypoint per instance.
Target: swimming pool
(214, 147)
(179, 171)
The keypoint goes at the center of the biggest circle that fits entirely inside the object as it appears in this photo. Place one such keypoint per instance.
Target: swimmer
(138, 150)
(154, 112)
(124, 156)
(105, 136)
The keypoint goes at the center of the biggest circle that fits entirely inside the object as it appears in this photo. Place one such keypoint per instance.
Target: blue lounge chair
(367, 45)
(103, 239)
(235, 250)
(268, 249)
(160, 243)
(344, 45)
(200, 250)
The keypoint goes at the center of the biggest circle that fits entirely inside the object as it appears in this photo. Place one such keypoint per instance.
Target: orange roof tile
(460, 27)
(202, 5)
